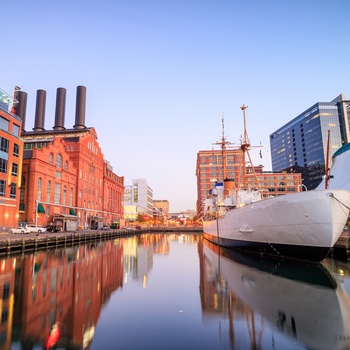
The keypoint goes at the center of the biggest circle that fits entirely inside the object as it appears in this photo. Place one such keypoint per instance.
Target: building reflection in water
(255, 300)
(70, 286)
(301, 302)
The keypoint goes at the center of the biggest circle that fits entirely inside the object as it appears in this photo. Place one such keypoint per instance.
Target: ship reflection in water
(170, 291)
(301, 302)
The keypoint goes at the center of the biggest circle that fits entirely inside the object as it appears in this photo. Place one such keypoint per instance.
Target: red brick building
(11, 152)
(66, 180)
(210, 169)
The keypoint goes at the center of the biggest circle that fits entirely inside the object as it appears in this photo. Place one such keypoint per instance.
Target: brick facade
(11, 147)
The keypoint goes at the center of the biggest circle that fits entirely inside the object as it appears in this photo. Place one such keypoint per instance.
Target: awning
(72, 212)
(41, 209)
(37, 267)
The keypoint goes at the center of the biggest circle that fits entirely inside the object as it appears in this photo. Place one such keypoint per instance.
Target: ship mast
(223, 143)
(245, 146)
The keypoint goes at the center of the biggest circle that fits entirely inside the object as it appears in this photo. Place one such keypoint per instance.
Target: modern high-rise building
(138, 199)
(301, 145)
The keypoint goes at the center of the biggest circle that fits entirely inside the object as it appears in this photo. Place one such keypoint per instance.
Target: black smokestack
(80, 108)
(60, 109)
(20, 105)
(40, 110)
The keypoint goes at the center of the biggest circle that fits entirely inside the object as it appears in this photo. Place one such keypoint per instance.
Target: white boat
(300, 301)
(302, 225)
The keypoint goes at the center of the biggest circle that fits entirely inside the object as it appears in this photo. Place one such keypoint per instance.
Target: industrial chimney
(80, 108)
(20, 106)
(60, 109)
(40, 111)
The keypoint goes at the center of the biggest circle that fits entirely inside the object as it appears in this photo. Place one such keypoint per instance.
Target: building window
(15, 130)
(57, 199)
(59, 161)
(16, 150)
(4, 145)
(40, 187)
(2, 188)
(71, 197)
(65, 165)
(14, 169)
(48, 193)
(4, 124)
(3, 165)
(64, 194)
(13, 189)
(51, 158)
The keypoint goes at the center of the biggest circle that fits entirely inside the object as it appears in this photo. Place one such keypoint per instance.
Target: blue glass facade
(301, 144)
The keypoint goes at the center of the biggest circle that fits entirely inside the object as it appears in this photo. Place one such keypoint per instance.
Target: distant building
(189, 214)
(300, 146)
(210, 169)
(162, 205)
(138, 199)
(11, 147)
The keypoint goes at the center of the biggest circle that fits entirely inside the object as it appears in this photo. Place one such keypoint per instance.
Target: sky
(161, 74)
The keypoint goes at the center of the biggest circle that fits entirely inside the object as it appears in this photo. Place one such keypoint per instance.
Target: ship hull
(304, 225)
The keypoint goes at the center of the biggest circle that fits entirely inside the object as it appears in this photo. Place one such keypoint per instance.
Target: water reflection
(301, 302)
(84, 296)
(68, 288)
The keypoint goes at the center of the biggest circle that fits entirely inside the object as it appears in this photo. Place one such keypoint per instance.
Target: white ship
(301, 301)
(302, 225)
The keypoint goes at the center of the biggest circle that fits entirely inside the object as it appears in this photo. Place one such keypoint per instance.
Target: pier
(19, 244)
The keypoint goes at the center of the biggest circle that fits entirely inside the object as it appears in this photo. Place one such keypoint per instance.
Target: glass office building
(300, 146)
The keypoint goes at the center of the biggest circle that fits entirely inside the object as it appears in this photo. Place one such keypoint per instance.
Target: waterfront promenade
(25, 243)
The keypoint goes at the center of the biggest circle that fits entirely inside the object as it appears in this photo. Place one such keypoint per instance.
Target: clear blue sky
(161, 73)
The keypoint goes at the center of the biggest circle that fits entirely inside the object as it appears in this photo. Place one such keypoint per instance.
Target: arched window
(51, 158)
(48, 193)
(59, 161)
(71, 197)
(40, 187)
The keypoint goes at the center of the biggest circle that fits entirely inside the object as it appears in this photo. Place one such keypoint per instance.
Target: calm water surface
(171, 291)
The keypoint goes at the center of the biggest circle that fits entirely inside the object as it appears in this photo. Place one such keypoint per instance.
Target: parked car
(53, 228)
(20, 229)
(106, 227)
(36, 229)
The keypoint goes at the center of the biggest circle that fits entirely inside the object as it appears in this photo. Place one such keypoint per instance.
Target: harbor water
(170, 291)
